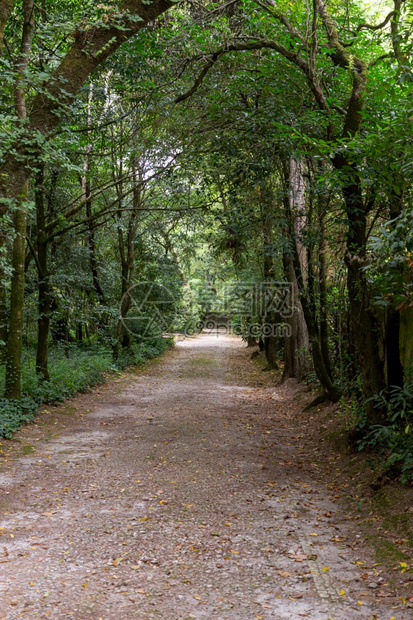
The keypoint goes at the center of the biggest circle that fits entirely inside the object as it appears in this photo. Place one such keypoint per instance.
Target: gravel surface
(182, 492)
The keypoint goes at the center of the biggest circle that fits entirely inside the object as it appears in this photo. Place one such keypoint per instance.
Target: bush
(15, 413)
(395, 439)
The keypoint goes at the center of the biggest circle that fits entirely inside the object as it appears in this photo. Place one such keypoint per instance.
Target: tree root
(321, 398)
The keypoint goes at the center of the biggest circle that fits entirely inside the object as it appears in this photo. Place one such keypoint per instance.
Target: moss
(28, 449)
(402, 522)
(204, 360)
(387, 553)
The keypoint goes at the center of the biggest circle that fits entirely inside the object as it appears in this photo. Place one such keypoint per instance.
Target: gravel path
(182, 493)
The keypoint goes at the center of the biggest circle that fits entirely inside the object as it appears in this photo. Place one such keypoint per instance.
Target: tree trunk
(16, 321)
(86, 196)
(44, 301)
(296, 339)
(394, 366)
(306, 303)
(296, 342)
(14, 340)
(363, 323)
(3, 308)
(323, 293)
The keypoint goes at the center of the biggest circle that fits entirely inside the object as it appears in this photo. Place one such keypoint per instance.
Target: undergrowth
(394, 439)
(83, 368)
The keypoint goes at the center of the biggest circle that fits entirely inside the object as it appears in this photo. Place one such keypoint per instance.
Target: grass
(84, 368)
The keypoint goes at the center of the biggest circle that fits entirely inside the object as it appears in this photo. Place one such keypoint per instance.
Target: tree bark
(6, 7)
(44, 299)
(323, 292)
(306, 303)
(363, 323)
(15, 331)
(3, 306)
(296, 343)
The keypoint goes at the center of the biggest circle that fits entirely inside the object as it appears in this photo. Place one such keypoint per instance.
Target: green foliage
(15, 413)
(395, 439)
(392, 262)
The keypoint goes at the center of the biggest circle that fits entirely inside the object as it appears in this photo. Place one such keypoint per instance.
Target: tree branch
(379, 26)
(207, 66)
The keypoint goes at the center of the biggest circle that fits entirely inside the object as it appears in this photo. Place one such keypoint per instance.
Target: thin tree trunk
(323, 292)
(16, 320)
(86, 196)
(394, 367)
(44, 300)
(3, 307)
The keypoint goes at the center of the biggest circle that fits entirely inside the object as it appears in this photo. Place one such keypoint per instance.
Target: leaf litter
(208, 513)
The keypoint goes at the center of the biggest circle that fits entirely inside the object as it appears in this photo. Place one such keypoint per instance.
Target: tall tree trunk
(3, 305)
(86, 196)
(44, 299)
(16, 320)
(306, 303)
(296, 341)
(270, 339)
(394, 367)
(323, 289)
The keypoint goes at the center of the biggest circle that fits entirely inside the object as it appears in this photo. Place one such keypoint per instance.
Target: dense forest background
(161, 160)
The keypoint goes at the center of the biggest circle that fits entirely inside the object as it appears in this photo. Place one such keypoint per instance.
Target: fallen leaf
(117, 561)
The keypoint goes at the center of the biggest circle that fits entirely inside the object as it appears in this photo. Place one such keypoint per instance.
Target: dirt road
(183, 493)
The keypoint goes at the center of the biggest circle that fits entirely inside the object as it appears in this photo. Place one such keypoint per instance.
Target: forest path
(183, 493)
